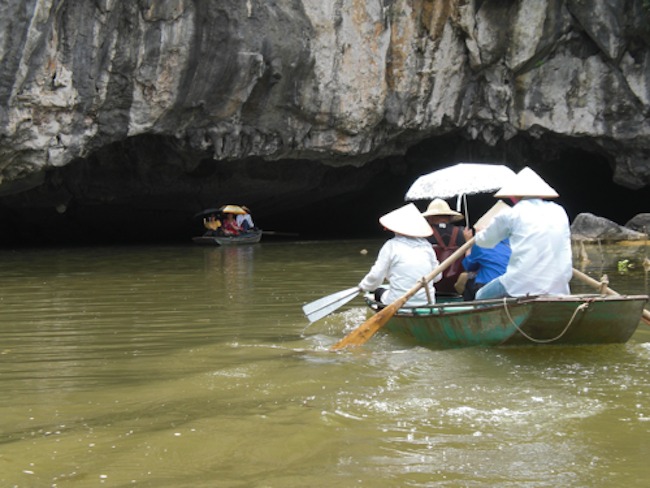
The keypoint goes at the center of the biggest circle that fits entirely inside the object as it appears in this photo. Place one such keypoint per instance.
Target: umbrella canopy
(207, 211)
(233, 209)
(460, 179)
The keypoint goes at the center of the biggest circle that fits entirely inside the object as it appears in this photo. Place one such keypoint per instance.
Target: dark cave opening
(146, 191)
(583, 179)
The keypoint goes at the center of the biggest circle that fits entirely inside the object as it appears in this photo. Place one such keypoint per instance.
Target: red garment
(230, 227)
(443, 251)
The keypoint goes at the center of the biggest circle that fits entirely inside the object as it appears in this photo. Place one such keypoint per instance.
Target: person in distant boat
(540, 239)
(230, 226)
(404, 259)
(483, 264)
(212, 224)
(245, 221)
(446, 238)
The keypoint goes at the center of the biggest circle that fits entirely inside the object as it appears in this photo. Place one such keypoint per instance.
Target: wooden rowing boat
(571, 319)
(251, 237)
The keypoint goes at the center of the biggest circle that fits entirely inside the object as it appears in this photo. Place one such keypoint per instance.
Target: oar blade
(318, 309)
(329, 299)
(365, 331)
(323, 312)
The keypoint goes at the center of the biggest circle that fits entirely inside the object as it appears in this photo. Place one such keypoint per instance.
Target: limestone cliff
(336, 82)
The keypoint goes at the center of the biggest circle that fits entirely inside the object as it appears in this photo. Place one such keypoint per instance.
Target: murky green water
(194, 367)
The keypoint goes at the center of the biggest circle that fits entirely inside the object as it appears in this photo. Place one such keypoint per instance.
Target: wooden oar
(276, 233)
(324, 306)
(365, 331)
(598, 285)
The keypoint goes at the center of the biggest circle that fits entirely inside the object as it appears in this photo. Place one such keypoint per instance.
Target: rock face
(587, 226)
(203, 86)
(639, 223)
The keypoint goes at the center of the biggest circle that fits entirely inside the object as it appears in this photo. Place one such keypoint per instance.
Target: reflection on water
(230, 269)
(194, 367)
(629, 257)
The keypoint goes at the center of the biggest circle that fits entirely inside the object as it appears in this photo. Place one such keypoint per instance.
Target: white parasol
(460, 179)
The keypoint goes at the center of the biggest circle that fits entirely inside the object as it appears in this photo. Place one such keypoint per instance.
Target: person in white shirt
(404, 259)
(244, 220)
(540, 239)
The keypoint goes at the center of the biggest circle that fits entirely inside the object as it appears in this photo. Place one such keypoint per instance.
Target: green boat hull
(574, 319)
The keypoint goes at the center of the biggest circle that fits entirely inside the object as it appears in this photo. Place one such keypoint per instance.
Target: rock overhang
(236, 88)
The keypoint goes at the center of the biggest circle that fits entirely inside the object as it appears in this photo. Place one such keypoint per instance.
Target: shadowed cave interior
(148, 189)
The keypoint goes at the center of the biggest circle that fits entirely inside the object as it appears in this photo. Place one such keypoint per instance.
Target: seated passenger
(446, 238)
(230, 226)
(404, 259)
(212, 224)
(483, 264)
(245, 221)
(540, 238)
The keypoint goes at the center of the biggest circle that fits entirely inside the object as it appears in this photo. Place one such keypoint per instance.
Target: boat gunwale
(251, 237)
(440, 309)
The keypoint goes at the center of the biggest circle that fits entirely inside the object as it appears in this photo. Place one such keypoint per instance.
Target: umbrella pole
(461, 202)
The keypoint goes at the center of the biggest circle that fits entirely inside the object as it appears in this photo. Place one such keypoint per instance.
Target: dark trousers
(471, 287)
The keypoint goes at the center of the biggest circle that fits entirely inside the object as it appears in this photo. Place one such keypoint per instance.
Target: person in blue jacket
(485, 264)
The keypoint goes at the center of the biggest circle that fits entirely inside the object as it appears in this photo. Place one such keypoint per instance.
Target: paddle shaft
(598, 285)
(276, 233)
(365, 331)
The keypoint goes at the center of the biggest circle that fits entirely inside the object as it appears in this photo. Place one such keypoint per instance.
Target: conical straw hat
(407, 221)
(526, 183)
(488, 216)
(439, 207)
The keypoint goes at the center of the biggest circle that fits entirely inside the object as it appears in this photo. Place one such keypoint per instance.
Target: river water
(185, 366)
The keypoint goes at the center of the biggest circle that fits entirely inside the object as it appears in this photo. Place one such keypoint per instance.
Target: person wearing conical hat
(446, 238)
(245, 221)
(404, 259)
(540, 239)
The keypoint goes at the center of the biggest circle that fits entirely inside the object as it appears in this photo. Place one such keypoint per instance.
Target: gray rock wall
(590, 227)
(342, 82)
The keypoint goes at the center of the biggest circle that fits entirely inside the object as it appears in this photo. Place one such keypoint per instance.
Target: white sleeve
(498, 230)
(434, 264)
(379, 270)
